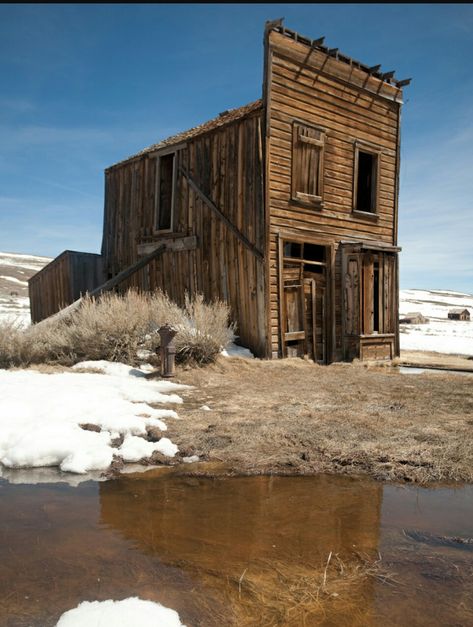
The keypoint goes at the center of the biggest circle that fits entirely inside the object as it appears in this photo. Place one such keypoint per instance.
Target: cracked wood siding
(226, 165)
(305, 86)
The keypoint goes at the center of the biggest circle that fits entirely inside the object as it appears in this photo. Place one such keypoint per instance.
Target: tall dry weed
(114, 327)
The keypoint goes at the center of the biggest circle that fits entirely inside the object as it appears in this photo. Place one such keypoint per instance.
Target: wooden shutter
(389, 287)
(368, 304)
(352, 297)
(307, 163)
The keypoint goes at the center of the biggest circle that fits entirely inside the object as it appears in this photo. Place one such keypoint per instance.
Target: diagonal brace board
(211, 205)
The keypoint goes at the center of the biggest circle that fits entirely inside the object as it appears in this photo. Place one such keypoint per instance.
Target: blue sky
(84, 86)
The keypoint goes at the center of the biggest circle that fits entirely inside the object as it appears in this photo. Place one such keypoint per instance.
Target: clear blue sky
(83, 86)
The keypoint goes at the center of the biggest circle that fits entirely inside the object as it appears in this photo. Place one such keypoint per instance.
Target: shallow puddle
(239, 551)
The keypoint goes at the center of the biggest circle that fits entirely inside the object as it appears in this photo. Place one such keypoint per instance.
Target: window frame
(159, 156)
(375, 152)
(310, 200)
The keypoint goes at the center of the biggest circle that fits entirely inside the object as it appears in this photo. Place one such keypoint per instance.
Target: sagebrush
(117, 327)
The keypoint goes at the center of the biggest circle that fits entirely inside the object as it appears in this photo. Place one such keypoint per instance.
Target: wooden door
(303, 299)
(315, 312)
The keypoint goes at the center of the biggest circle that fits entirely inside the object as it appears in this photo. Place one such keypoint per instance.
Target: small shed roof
(226, 117)
(458, 311)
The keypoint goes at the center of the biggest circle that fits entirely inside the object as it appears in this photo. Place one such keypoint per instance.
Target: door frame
(329, 321)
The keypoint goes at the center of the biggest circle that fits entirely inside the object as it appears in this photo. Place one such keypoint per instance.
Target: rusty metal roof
(226, 117)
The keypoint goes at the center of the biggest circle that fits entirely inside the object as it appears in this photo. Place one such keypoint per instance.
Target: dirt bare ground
(429, 359)
(295, 417)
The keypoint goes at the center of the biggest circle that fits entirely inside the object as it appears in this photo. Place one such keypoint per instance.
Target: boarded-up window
(365, 180)
(165, 183)
(307, 164)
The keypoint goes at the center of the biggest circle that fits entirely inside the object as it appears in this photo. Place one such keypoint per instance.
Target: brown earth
(436, 360)
(296, 417)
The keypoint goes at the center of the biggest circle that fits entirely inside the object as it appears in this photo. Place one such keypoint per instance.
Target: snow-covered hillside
(15, 270)
(439, 334)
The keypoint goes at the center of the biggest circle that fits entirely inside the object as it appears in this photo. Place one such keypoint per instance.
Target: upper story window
(307, 164)
(366, 179)
(165, 191)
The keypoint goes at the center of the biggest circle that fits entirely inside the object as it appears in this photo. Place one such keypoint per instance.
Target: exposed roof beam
(374, 68)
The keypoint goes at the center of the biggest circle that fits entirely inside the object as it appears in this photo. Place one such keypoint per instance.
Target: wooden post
(167, 350)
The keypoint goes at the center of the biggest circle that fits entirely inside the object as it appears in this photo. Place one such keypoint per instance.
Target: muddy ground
(295, 417)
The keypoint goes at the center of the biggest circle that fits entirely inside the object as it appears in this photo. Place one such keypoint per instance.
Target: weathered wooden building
(286, 208)
(413, 317)
(459, 314)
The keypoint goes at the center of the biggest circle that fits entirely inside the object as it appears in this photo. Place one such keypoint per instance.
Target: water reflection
(228, 551)
(271, 530)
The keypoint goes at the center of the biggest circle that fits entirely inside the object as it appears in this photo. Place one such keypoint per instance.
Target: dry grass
(295, 417)
(115, 327)
(270, 593)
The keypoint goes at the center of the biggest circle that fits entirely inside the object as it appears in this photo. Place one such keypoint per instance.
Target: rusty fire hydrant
(167, 350)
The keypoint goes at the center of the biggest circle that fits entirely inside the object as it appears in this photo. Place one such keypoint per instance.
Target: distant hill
(15, 270)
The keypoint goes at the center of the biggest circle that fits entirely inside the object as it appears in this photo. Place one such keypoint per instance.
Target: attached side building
(286, 208)
(65, 279)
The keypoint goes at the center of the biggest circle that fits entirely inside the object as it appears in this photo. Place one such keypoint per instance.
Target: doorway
(303, 299)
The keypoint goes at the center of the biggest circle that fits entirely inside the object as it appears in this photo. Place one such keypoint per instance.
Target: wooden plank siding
(62, 282)
(305, 86)
(224, 168)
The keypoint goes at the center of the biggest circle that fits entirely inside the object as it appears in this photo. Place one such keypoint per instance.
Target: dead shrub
(114, 327)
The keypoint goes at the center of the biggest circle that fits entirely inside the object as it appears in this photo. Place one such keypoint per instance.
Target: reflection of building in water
(222, 524)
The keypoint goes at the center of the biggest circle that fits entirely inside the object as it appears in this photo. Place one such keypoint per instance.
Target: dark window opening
(165, 192)
(376, 325)
(366, 182)
(309, 267)
(292, 249)
(314, 252)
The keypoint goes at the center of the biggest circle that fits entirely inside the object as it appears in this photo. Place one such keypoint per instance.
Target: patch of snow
(13, 280)
(166, 447)
(191, 460)
(27, 262)
(133, 449)
(233, 350)
(142, 353)
(40, 416)
(205, 408)
(131, 612)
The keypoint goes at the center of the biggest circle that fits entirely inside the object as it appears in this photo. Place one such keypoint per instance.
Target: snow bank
(132, 612)
(233, 350)
(40, 416)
